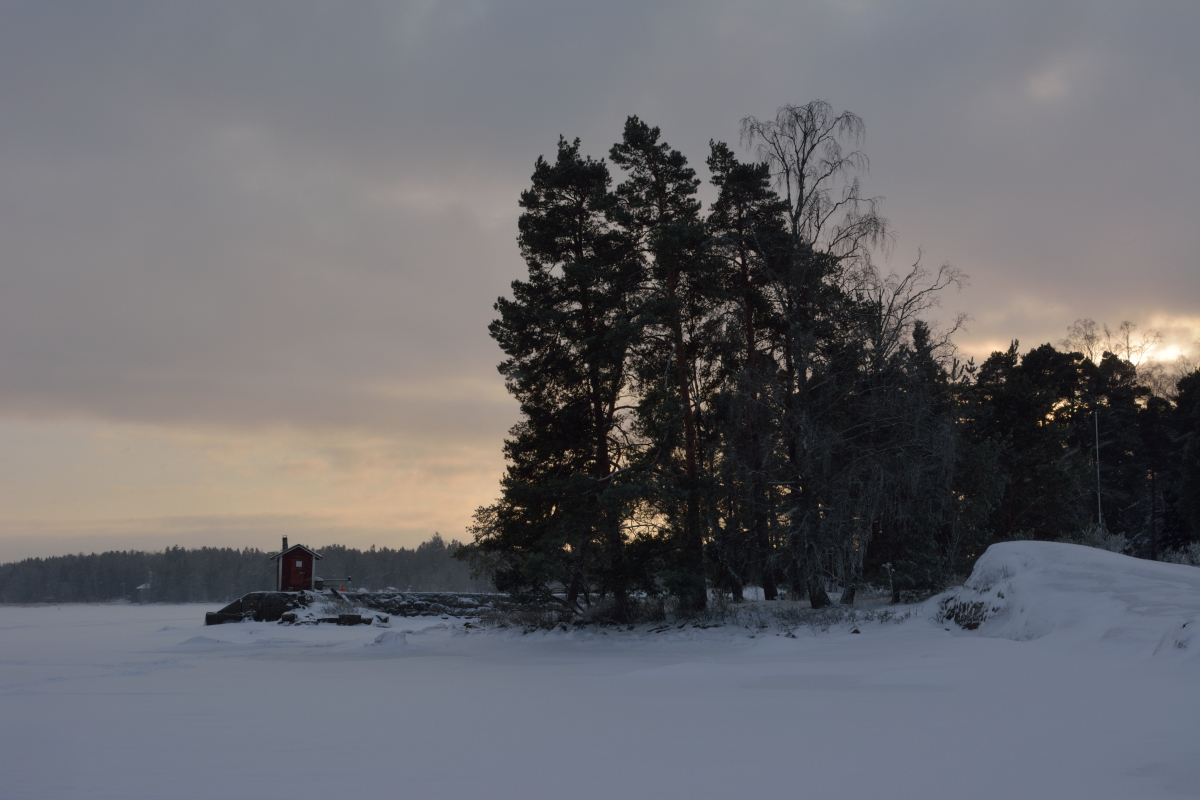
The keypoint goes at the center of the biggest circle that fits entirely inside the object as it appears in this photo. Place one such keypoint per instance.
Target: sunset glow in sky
(248, 252)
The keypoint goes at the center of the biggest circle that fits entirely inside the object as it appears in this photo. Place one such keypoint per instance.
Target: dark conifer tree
(747, 239)
(916, 450)
(1155, 451)
(659, 210)
(1187, 443)
(566, 333)
(1113, 394)
(1035, 410)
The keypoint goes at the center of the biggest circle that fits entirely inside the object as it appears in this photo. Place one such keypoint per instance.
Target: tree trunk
(758, 515)
(1153, 527)
(694, 594)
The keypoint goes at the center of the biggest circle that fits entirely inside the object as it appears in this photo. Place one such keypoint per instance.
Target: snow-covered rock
(1027, 590)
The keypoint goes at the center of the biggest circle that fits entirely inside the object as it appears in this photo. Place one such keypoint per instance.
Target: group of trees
(741, 397)
(210, 574)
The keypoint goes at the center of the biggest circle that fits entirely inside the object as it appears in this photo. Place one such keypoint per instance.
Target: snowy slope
(145, 702)
(1027, 590)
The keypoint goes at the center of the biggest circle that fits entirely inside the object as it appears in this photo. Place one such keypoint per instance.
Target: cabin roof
(297, 547)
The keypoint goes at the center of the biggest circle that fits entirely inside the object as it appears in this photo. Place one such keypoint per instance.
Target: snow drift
(1027, 590)
(391, 640)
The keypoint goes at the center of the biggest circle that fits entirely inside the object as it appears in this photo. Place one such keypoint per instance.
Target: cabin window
(299, 563)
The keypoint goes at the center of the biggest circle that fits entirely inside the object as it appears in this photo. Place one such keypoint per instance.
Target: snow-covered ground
(1082, 682)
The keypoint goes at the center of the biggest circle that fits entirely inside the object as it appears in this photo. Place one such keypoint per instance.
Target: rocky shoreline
(301, 607)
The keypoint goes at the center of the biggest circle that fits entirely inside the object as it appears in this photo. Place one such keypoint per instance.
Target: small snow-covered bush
(1097, 536)
(528, 617)
(641, 609)
(1189, 555)
(788, 616)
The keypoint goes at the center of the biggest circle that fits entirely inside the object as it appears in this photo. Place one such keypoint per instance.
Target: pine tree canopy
(739, 396)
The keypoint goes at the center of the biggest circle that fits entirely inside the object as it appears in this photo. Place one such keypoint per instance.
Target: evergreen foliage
(742, 397)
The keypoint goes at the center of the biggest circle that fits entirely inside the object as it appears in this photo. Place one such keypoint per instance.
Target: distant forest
(210, 574)
(741, 396)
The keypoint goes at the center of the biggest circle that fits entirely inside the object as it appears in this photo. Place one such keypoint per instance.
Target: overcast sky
(248, 252)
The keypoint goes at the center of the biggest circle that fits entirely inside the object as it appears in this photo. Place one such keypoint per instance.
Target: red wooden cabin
(295, 567)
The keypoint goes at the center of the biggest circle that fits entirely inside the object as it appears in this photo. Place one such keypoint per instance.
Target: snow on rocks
(353, 608)
(391, 640)
(1027, 590)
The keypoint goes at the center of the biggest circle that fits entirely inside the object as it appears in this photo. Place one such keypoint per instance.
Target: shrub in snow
(1189, 555)
(1098, 536)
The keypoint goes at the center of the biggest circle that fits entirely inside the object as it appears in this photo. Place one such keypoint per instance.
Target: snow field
(1083, 683)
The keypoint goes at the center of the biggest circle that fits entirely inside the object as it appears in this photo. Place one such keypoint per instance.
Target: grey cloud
(247, 214)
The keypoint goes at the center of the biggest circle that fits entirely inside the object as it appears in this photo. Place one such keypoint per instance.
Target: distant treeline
(219, 574)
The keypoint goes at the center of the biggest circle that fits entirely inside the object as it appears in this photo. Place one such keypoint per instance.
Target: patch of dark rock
(273, 606)
(967, 615)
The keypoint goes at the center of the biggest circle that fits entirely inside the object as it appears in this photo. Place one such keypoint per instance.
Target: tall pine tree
(659, 210)
(567, 334)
